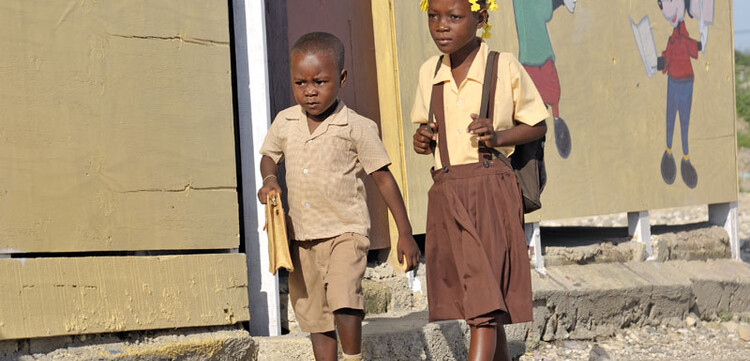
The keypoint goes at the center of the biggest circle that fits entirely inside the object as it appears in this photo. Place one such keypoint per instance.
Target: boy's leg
(324, 346)
(349, 325)
(346, 268)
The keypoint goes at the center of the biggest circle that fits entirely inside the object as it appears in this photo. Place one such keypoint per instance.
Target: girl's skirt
(475, 248)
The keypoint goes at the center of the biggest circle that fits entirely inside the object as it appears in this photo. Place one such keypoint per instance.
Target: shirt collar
(476, 71)
(340, 115)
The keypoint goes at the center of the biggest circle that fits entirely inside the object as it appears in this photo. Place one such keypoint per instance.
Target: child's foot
(689, 175)
(668, 167)
(562, 137)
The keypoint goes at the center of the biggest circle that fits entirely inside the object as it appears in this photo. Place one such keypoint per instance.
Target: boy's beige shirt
(325, 170)
(516, 98)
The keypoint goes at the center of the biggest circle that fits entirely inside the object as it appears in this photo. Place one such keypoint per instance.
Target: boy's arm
(407, 250)
(268, 170)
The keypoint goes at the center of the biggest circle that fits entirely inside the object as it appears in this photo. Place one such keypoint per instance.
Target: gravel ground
(719, 341)
(709, 341)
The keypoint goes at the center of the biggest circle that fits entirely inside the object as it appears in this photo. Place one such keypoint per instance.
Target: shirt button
(458, 102)
(309, 141)
(304, 171)
(307, 204)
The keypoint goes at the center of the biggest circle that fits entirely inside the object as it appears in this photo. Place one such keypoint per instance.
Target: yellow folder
(278, 245)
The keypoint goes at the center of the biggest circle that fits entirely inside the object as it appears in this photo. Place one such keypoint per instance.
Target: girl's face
(673, 11)
(452, 24)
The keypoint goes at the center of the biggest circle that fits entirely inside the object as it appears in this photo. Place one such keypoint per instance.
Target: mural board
(609, 125)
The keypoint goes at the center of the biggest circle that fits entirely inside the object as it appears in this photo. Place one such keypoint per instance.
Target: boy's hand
(407, 251)
(484, 130)
(271, 184)
(425, 134)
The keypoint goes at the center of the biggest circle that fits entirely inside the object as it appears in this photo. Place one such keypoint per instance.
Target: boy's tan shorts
(327, 277)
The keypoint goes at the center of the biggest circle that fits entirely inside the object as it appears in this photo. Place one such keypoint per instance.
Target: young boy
(328, 149)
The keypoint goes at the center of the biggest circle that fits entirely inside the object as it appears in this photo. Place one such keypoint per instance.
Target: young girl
(477, 264)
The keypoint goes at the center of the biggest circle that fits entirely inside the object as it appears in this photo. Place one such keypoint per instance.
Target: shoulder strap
(436, 114)
(487, 108)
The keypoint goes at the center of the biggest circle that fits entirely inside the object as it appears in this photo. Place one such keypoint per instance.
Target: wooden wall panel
(117, 126)
(42, 297)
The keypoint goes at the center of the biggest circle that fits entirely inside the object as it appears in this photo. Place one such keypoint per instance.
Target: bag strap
(487, 108)
(436, 114)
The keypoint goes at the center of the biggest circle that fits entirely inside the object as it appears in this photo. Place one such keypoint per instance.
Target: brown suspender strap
(487, 109)
(437, 114)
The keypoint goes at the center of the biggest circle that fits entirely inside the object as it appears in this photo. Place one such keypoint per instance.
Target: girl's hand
(270, 184)
(484, 130)
(423, 136)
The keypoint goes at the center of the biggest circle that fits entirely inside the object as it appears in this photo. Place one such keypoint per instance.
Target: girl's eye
(298, 83)
(455, 17)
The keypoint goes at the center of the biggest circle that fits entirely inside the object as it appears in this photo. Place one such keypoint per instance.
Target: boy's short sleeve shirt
(325, 170)
(516, 99)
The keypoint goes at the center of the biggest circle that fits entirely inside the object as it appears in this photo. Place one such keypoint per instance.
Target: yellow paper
(278, 245)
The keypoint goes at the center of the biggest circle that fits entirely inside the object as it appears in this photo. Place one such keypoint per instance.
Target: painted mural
(538, 58)
(676, 62)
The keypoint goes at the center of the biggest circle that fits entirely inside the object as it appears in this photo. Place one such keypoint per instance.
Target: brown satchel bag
(278, 245)
(527, 161)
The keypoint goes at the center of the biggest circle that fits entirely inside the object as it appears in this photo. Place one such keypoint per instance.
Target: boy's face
(452, 24)
(316, 81)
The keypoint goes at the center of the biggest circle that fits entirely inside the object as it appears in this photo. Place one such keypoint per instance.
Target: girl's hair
(687, 7)
(476, 5)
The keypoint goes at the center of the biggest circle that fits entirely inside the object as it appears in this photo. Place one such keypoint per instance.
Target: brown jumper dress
(475, 249)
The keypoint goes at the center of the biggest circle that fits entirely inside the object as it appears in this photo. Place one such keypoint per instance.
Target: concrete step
(570, 302)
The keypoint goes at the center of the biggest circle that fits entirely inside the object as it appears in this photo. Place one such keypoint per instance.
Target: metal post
(534, 239)
(725, 215)
(254, 120)
(640, 230)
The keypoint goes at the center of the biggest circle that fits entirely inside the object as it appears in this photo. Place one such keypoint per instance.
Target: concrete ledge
(214, 344)
(570, 302)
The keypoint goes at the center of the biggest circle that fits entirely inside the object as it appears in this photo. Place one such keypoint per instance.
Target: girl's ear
(482, 16)
(342, 78)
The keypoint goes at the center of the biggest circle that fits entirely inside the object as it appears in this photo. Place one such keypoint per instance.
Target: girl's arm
(520, 134)
(406, 248)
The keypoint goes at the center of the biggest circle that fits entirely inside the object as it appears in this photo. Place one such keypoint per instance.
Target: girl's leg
(324, 346)
(482, 345)
(501, 346)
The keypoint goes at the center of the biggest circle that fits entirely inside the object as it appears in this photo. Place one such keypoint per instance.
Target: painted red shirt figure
(680, 49)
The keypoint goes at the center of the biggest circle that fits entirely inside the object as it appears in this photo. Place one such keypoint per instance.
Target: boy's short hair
(320, 42)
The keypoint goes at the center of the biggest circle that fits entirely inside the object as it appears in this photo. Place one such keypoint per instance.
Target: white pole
(251, 59)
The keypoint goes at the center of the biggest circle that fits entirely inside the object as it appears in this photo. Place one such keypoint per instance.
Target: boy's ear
(342, 77)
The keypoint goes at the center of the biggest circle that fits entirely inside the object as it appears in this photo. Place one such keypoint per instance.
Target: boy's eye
(299, 82)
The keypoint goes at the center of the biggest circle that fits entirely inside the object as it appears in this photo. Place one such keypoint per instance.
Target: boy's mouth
(443, 41)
